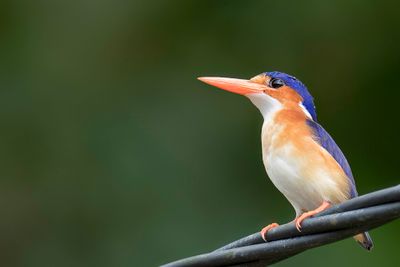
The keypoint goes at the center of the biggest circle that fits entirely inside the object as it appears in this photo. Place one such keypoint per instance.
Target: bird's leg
(266, 229)
(325, 205)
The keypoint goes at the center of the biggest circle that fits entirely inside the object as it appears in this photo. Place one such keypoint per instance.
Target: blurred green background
(113, 154)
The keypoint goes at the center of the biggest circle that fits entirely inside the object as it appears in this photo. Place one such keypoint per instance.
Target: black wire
(339, 222)
(387, 195)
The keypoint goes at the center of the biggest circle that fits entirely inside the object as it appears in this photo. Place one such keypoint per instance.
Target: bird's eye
(276, 83)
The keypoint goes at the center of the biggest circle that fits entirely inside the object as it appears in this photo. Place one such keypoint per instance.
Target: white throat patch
(266, 104)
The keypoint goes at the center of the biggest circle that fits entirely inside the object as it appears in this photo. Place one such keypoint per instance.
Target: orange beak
(237, 86)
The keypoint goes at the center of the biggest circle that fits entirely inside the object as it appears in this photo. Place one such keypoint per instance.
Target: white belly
(305, 188)
(285, 175)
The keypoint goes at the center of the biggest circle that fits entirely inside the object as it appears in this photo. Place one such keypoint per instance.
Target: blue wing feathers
(329, 144)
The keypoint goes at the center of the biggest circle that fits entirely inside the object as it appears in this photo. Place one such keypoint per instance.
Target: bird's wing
(326, 141)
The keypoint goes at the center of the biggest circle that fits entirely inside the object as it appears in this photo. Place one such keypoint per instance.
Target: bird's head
(269, 90)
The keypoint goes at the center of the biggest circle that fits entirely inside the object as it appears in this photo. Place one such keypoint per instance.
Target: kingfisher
(300, 157)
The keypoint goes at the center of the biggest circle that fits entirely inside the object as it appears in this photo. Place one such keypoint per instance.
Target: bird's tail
(364, 240)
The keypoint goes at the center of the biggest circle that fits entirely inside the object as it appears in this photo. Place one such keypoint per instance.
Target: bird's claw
(266, 229)
(325, 205)
(298, 225)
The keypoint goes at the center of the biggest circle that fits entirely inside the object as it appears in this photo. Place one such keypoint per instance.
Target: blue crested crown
(300, 88)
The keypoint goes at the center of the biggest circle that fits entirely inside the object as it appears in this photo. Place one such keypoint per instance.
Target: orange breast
(315, 169)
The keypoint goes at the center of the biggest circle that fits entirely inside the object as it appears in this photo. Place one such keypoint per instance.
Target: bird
(300, 157)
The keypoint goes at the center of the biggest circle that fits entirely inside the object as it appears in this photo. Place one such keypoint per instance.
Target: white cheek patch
(305, 110)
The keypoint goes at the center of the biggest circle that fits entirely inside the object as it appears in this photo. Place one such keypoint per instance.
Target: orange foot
(266, 229)
(305, 215)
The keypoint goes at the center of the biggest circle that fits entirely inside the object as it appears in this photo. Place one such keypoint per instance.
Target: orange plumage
(300, 157)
